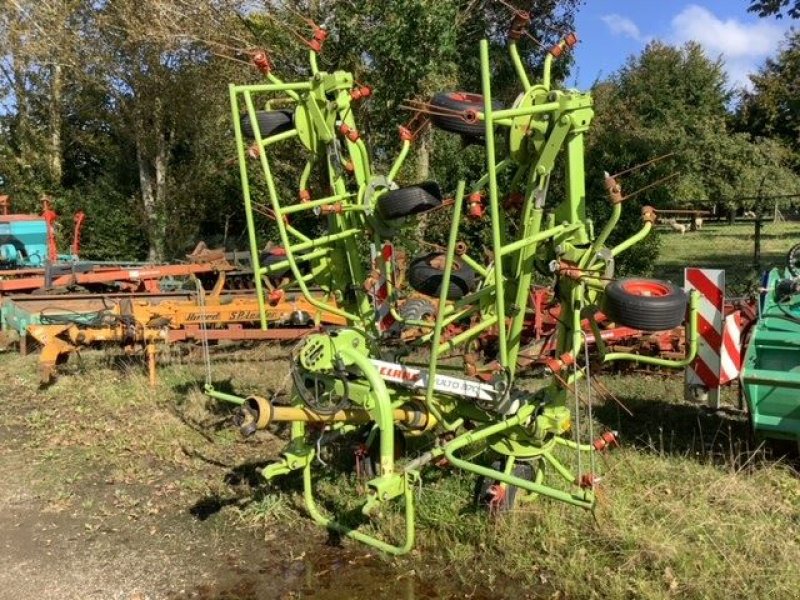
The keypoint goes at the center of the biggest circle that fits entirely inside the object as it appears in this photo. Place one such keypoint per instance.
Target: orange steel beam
(109, 275)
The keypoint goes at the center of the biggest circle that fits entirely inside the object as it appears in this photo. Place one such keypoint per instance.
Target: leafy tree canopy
(772, 107)
(768, 8)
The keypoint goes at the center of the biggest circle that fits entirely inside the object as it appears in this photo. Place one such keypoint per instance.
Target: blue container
(23, 241)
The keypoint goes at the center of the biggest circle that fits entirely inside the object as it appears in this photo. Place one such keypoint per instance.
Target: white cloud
(743, 46)
(619, 25)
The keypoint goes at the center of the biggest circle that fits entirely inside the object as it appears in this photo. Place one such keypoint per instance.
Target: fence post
(757, 242)
(758, 223)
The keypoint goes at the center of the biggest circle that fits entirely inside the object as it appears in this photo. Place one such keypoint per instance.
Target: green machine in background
(363, 379)
(771, 369)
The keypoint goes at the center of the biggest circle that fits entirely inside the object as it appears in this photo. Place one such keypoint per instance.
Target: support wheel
(793, 260)
(646, 304)
(465, 123)
(490, 495)
(368, 459)
(270, 122)
(411, 200)
(417, 309)
(273, 256)
(425, 274)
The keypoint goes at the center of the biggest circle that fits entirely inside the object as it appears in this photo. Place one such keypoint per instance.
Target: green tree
(772, 107)
(123, 98)
(674, 101)
(768, 8)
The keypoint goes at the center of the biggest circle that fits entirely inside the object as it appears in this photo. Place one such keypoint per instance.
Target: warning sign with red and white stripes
(710, 284)
(731, 351)
(719, 350)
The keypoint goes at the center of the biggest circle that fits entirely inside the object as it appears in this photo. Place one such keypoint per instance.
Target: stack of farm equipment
(64, 303)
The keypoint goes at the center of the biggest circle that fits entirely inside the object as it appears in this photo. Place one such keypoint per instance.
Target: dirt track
(121, 496)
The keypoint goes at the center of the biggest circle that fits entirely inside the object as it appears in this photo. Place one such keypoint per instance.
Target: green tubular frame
(583, 499)
(543, 123)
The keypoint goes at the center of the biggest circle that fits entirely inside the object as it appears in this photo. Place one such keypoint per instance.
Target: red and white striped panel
(710, 284)
(380, 291)
(731, 351)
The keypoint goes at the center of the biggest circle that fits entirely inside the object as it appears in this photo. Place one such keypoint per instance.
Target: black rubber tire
(272, 257)
(627, 303)
(793, 260)
(427, 279)
(417, 309)
(371, 463)
(482, 495)
(270, 122)
(460, 101)
(411, 200)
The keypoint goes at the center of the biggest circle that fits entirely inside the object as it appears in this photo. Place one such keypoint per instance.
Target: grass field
(115, 490)
(687, 508)
(729, 247)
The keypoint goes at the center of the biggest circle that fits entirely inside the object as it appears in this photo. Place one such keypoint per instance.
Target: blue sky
(611, 30)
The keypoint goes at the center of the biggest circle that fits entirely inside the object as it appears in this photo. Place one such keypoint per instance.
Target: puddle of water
(332, 574)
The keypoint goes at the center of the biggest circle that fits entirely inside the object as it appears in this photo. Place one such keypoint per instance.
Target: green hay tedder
(360, 380)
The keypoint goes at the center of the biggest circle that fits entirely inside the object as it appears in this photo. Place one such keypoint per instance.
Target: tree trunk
(152, 153)
(423, 151)
(147, 186)
(160, 164)
(56, 159)
(22, 135)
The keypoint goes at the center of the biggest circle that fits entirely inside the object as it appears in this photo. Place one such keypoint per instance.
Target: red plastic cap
(262, 62)
(405, 134)
(350, 133)
(316, 42)
(606, 441)
(587, 481)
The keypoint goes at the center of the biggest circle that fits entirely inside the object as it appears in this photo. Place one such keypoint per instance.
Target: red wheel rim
(644, 287)
(466, 97)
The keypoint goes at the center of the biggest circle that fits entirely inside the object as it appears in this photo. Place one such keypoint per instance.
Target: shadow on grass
(680, 429)
(210, 505)
(247, 486)
(222, 385)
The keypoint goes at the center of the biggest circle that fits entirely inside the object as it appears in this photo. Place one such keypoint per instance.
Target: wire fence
(744, 248)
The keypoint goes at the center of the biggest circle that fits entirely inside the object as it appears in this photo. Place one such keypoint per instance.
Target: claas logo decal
(399, 373)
